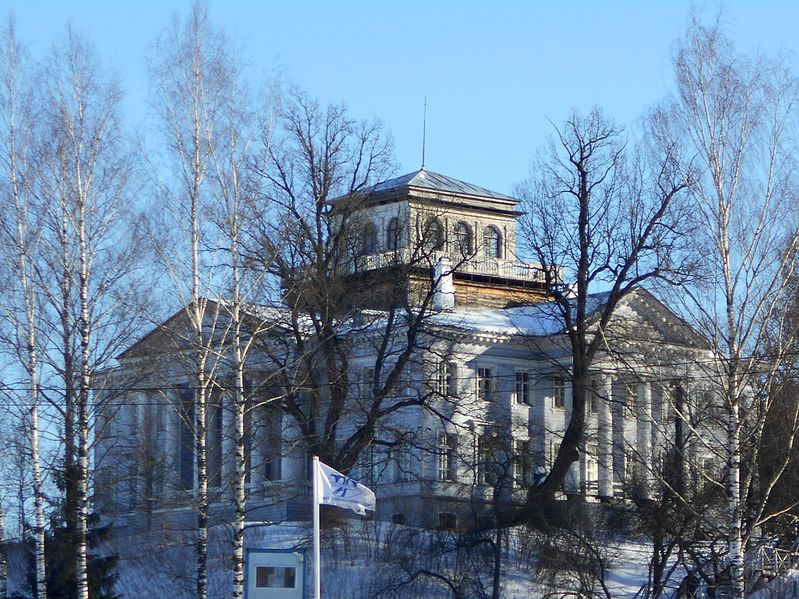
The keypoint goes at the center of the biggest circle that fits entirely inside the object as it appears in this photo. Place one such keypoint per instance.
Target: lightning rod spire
(424, 130)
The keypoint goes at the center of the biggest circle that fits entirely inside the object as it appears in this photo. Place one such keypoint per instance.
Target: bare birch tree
(192, 83)
(86, 272)
(19, 233)
(238, 203)
(736, 119)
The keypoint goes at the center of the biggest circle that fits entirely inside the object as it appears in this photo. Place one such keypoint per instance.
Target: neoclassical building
(493, 369)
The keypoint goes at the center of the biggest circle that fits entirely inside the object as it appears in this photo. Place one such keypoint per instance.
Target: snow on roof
(538, 320)
(527, 320)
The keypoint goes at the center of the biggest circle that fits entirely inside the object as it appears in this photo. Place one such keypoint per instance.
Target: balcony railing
(476, 265)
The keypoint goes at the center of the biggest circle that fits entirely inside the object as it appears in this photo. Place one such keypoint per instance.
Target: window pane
(275, 577)
(433, 235)
(523, 387)
(492, 242)
(485, 384)
(393, 234)
(463, 239)
(559, 391)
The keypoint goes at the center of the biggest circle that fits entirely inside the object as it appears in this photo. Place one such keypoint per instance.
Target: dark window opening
(393, 233)
(433, 237)
(369, 239)
(492, 242)
(447, 521)
(463, 239)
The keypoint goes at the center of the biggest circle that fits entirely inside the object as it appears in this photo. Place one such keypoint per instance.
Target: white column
(644, 435)
(605, 437)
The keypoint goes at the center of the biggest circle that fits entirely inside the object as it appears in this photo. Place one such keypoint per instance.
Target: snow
(539, 320)
(359, 559)
(363, 559)
(527, 320)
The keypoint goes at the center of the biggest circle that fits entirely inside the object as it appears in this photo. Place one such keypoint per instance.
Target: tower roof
(430, 181)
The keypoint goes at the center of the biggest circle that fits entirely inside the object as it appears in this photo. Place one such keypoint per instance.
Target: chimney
(444, 290)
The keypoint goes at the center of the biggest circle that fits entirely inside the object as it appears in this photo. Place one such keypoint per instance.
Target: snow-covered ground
(363, 559)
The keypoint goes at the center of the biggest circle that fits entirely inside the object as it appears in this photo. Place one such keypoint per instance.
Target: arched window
(393, 234)
(369, 238)
(433, 235)
(492, 242)
(463, 239)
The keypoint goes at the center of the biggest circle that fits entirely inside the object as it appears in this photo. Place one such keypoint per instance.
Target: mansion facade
(484, 400)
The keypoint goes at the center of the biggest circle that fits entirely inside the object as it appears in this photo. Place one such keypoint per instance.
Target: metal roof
(424, 179)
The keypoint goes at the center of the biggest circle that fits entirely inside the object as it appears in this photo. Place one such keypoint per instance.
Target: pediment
(641, 317)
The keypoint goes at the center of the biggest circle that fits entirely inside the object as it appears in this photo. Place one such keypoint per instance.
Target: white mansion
(493, 368)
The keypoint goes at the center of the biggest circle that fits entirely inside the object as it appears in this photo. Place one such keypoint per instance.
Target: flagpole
(316, 551)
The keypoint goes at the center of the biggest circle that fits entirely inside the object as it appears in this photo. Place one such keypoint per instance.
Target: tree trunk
(202, 487)
(38, 497)
(496, 578)
(82, 528)
(240, 481)
(735, 509)
(3, 557)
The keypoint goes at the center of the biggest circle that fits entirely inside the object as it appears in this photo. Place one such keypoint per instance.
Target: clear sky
(494, 73)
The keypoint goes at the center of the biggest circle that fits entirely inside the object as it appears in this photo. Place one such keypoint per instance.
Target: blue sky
(494, 74)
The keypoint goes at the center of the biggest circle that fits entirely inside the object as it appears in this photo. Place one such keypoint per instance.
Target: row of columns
(144, 412)
(622, 433)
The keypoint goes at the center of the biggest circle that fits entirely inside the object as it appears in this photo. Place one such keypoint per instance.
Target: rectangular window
(523, 388)
(447, 521)
(558, 392)
(447, 448)
(275, 577)
(272, 469)
(489, 468)
(485, 384)
(367, 380)
(445, 379)
(593, 397)
(521, 463)
(404, 470)
(591, 468)
(133, 416)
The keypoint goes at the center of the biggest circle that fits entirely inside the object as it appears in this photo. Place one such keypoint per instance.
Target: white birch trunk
(82, 524)
(199, 321)
(735, 509)
(18, 123)
(32, 368)
(239, 406)
(240, 478)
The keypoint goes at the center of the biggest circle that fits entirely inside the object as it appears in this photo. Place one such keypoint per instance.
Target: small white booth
(274, 574)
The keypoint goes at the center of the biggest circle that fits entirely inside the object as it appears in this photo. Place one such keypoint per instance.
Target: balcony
(474, 265)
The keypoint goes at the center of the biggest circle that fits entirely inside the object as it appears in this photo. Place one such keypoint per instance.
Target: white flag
(343, 491)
